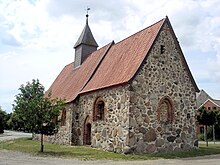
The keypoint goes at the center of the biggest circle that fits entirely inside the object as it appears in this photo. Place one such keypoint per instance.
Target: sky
(37, 36)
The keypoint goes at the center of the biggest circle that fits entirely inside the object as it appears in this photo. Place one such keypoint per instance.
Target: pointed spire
(85, 44)
(86, 36)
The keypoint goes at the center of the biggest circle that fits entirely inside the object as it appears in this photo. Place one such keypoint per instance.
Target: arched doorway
(88, 134)
(87, 131)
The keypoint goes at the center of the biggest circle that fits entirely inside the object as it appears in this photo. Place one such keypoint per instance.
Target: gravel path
(18, 158)
(10, 135)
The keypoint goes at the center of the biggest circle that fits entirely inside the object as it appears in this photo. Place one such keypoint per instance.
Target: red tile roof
(111, 65)
(123, 59)
(71, 80)
(210, 102)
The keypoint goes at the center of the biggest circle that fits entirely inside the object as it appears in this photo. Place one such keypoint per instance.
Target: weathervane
(87, 14)
(87, 11)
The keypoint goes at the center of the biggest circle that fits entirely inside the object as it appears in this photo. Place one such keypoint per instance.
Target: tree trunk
(206, 135)
(213, 129)
(42, 143)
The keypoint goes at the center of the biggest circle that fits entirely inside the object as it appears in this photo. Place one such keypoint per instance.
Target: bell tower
(85, 44)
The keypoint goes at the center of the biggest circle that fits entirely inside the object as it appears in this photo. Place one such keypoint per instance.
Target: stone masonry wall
(111, 133)
(162, 75)
(64, 135)
(134, 116)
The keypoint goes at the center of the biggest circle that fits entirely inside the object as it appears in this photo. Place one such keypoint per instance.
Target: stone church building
(134, 96)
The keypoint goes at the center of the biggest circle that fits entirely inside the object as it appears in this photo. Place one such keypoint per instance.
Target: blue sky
(37, 36)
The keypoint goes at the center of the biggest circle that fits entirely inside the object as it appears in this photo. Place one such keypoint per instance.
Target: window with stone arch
(99, 110)
(165, 111)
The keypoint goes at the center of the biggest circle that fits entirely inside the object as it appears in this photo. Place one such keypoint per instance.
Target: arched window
(99, 110)
(165, 111)
(63, 118)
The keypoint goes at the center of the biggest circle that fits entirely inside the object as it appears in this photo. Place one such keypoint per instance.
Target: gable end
(166, 21)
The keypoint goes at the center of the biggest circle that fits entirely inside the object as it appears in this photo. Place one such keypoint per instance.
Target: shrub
(210, 132)
(201, 137)
(1, 125)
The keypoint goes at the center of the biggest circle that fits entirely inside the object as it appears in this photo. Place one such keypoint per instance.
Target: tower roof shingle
(86, 37)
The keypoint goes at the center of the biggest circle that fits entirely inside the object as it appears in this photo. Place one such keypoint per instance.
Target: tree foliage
(15, 123)
(4, 117)
(27, 104)
(1, 121)
(206, 118)
(38, 113)
(218, 119)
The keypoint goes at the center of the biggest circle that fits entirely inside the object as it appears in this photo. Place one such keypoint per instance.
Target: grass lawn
(87, 153)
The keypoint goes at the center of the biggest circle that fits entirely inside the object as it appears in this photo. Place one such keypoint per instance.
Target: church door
(87, 132)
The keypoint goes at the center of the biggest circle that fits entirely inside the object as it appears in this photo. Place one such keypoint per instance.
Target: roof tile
(123, 59)
(111, 65)
(71, 80)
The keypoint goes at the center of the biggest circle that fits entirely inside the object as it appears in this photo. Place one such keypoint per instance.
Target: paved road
(18, 158)
(10, 135)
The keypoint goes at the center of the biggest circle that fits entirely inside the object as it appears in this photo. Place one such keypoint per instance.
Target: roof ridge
(215, 99)
(140, 31)
(110, 65)
(74, 68)
(154, 26)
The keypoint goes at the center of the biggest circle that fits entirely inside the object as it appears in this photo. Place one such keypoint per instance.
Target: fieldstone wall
(64, 135)
(163, 75)
(136, 119)
(111, 133)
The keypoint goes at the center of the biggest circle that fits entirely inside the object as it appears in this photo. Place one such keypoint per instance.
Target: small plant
(201, 137)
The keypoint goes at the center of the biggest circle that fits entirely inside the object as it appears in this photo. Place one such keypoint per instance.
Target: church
(134, 96)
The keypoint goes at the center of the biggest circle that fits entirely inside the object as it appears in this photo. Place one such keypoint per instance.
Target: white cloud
(37, 37)
(214, 64)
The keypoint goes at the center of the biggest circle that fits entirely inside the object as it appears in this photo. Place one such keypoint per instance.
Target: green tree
(218, 118)
(3, 120)
(206, 118)
(15, 123)
(37, 112)
(6, 119)
(217, 126)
